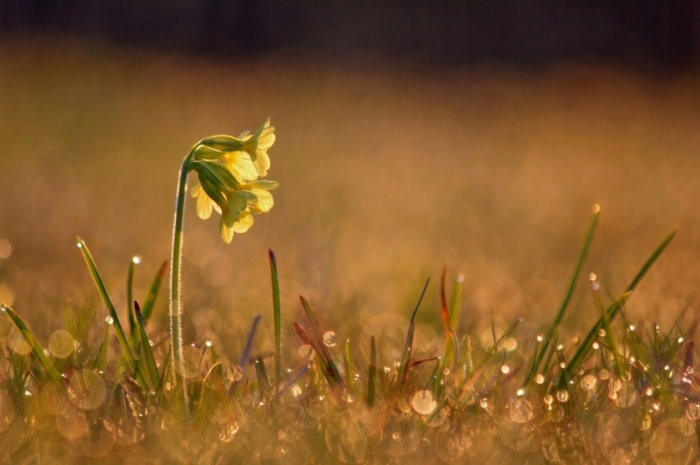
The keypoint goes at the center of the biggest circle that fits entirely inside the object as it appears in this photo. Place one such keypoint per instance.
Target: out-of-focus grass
(386, 175)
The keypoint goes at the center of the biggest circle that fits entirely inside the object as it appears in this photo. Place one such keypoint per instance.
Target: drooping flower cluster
(229, 169)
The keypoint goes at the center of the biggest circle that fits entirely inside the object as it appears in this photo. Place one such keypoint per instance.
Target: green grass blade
(333, 369)
(130, 300)
(277, 313)
(31, 340)
(331, 375)
(101, 359)
(150, 301)
(610, 313)
(408, 346)
(151, 367)
(349, 369)
(372, 376)
(108, 303)
(567, 298)
(261, 373)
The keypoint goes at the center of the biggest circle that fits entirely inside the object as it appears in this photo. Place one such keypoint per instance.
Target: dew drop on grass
(423, 402)
(505, 369)
(228, 431)
(693, 411)
(601, 332)
(136, 259)
(539, 378)
(329, 338)
(604, 374)
(61, 344)
(562, 395)
(520, 411)
(548, 399)
(306, 352)
(588, 382)
(18, 343)
(109, 320)
(674, 442)
(7, 412)
(510, 344)
(87, 389)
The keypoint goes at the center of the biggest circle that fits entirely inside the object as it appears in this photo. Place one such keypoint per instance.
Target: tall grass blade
(150, 301)
(277, 313)
(110, 307)
(329, 370)
(567, 298)
(408, 346)
(610, 313)
(245, 356)
(133, 332)
(152, 376)
(31, 340)
(372, 376)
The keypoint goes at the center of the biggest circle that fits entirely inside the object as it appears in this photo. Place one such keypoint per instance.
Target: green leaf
(31, 340)
(108, 303)
(152, 377)
(567, 299)
(277, 314)
(610, 313)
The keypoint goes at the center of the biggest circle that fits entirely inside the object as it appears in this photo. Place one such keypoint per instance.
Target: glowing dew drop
(329, 338)
(423, 402)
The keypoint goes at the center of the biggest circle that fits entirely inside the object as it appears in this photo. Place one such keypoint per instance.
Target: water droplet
(329, 338)
(601, 332)
(649, 391)
(632, 328)
(136, 259)
(61, 344)
(109, 320)
(423, 402)
(595, 346)
(505, 369)
(560, 347)
(604, 374)
(592, 277)
(539, 378)
(347, 396)
(520, 392)
(296, 390)
(548, 399)
(588, 382)
(680, 340)
(615, 385)
(562, 365)
(446, 371)
(539, 338)
(563, 395)
(306, 352)
(228, 431)
(80, 245)
(87, 389)
(510, 344)
(484, 403)
(520, 411)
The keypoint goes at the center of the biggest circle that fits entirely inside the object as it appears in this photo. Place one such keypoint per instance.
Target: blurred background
(411, 136)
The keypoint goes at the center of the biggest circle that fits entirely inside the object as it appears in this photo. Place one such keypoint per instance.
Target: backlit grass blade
(546, 343)
(150, 301)
(245, 356)
(408, 346)
(31, 340)
(582, 351)
(349, 369)
(327, 370)
(147, 351)
(333, 369)
(133, 332)
(101, 359)
(108, 303)
(261, 373)
(372, 376)
(277, 313)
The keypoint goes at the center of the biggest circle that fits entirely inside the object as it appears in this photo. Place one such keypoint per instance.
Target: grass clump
(623, 393)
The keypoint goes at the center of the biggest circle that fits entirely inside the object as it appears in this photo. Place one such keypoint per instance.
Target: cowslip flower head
(255, 146)
(228, 179)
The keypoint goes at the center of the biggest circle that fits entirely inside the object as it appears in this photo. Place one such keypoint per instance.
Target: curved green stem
(175, 269)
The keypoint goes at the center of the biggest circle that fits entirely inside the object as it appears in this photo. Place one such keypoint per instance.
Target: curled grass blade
(128, 356)
(610, 313)
(546, 344)
(38, 351)
(408, 346)
(277, 314)
(152, 376)
(150, 301)
(330, 364)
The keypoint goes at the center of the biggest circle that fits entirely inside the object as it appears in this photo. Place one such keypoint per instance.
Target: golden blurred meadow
(387, 174)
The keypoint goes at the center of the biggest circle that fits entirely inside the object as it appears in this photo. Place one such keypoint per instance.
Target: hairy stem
(175, 281)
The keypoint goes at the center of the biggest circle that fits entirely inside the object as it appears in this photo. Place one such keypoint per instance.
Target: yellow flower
(254, 145)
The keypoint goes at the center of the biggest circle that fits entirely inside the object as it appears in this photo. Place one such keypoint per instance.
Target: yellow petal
(266, 139)
(237, 202)
(196, 189)
(262, 162)
(261, 184)
(225, 231)
(265, 200)
(244, 223)
(241, 166)
(204, 205)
